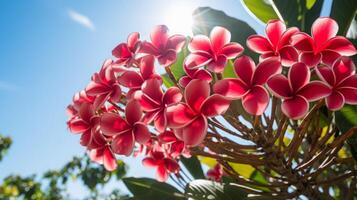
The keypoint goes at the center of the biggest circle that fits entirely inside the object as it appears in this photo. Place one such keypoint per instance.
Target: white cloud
(81, 19)
(7, 86)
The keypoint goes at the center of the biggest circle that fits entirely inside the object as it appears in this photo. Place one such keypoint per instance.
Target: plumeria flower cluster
(127, 110)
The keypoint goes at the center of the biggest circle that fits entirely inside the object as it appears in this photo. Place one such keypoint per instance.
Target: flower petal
(350, 95)
(259, 44)
(302, 41)
(109, 160)
(323, 29)
(295, 108)
(286, 37)
(131, 79)
(335, 101)
(218, 65)
(161, 173)
(178, 115)
(168, 58)
(112, 124)
(315, 90)
(141, 133)
(95, 88)
(86, 111)
(256, 100)
(171, 165)
(176, 42)
(194, 133)
(121, 51)
(274, 30)
(195, 60)
(232, 50)
(279, 86)
(147, 67)
(341, 45)
(152, 88)
(203, 75)
(78, 125)
(310, 58)
(329, 57)
(231, 88)
(161, 121)
(288, 55)
(200, 43)
(349, 82)
(133, 111)
(244, 68)
(215, 105)
(172, 95)
(159, 36)
(123, 144)
(133, 40)
(167, 137)
(149, 162)
(219, 38)
(343, 68)
(195, 93)
(265, 70)
(298, 76)
(326, 74)
(184, 81)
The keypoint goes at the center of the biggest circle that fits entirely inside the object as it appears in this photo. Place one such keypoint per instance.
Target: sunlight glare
(179, 19)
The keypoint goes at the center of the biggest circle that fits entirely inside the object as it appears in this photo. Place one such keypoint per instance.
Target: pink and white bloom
(104, 156)
(192, 74)
(162, 46)
(215, 173)
(125, 52)
(342, 79)
(214, 51)
(276, 44)
(125, 132)
(250, 85)
(297, 90)
(324, 46)
(189, 120)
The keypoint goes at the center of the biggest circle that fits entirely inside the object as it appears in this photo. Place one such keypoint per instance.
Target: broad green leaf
(346, 118)
(193, 165)
(229, 70)
(177, 67)
(343, 11)
(167, 81)
(310, 3)
(205, 18)
(262, 9)
(150, 189)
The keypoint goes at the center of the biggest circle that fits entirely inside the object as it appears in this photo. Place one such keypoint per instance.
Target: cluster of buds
(127, 110)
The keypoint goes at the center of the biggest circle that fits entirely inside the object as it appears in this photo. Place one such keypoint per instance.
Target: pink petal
(133, 40)
(172, 95)
(152, 88)
(298, 76)
(200, 43)
(232, 50)
(100, 100)
(343, 68)
(133, 111)
(194, 133)
(78, 125)
(326, 74)
(146, 48)
(86, 138)
(116, 93)
(184, 81)
(161, 173)
(96, 155)
(256, 100)
(302, 41)
(123, 144)
(147, 103)
(329, 57)
(86, 111)
(350, 95)
(218, 65)
(178, 115)
(219, 38)
(94, 88)
(231, 88)
(147, 66)
(274, 30)
(109, 161)
(265, 70)
(171, 165)
(176, 42)
(323, 29)
(259, 44)
(161, 121)
(168, 58)
(203, 75)
(349, 82)
(141, 133)
(159, 36)
(121, 51)
(335, 101)
(131, 79)
(195, 60)
(315, 90)
(279, 86)
(149, 162)
(288, 55)
(310, 58)
(167, 137)
(215, 105)
(195, 93)
(295, 108)
(286, 37)
(150, 116)
(112, 124)
(341, 45)
(244, 68)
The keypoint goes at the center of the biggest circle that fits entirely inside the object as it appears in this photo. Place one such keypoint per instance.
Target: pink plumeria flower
(215, 173)
(297, 90)
(154, 102)
(125, 52)
(162, 46)
(189, 120)
(277, 43)
(125, 132)
(175, 146)
(164, 166)
(192, 74)
(324, 46)
(250, 85)
(104, 85)
(104, 156)
(342, 79)
(214, 51)
(78, 99)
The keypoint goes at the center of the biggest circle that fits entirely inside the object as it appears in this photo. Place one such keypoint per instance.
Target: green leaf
(346, 118)
(167, 81)
(229, 70)
(193, 165)
(177, 67)
(312, 14)
(205, 18)
(204, 189)
(262, 9)
(150, 189)
(310, 3)
(343, 11)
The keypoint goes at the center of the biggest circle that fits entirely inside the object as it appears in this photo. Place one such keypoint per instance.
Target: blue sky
(48, 51)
